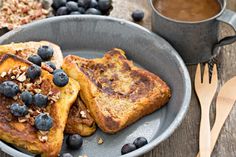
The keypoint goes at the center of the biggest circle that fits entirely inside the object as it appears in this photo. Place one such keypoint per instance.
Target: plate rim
(185, 74)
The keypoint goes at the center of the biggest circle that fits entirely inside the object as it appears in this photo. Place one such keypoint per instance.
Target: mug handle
(228, 17)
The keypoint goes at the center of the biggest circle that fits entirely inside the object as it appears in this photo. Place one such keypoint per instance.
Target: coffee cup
(195, 41)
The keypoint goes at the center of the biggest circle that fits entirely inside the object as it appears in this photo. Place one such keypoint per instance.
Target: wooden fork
(205, 91)
(224, 104)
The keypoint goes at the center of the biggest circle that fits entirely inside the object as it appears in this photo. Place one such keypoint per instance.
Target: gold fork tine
(214, 77)
(198, 75)
(206, 78)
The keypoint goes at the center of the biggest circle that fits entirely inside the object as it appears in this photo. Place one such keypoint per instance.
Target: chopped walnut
(43, 138)
(28, 86)
(22, 119)
(3, 74)
(100, 140)
(22, 77)
(37, 90)
(43, 132)
(15, 97)
(14, 13)
(83, 114)
(56, 97)
(46, 67)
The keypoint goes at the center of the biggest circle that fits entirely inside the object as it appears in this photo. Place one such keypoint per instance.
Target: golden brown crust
(79, 120)
(115, 91)
(24, 50)
(25, 135)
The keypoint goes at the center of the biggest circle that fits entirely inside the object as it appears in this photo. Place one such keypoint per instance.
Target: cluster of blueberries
(10, 89)
(138, 143)
(93, 7)
(77, 7)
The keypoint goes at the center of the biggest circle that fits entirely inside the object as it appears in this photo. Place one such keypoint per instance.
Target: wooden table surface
(184, 141)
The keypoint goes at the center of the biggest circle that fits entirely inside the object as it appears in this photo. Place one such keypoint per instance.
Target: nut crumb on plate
(100, 140)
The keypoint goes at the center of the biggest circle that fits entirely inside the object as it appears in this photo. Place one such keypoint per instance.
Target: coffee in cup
(188, 10)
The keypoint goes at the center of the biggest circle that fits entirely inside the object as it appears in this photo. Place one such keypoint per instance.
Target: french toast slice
(26, 49)
(20, 131)
(116, 92)
(79, 120)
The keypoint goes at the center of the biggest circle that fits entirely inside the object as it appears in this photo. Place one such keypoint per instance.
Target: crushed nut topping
(43, 138)
(15, 13)
(22, 119)
(22, 77)
(100, 140)
(43, 132)
(83, 114)
(3, 74)
(41, 85)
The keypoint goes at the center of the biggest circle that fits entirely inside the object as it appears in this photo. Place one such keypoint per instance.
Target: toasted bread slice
(116, 92)
(21, 131)
(26, 49)
(79, 120)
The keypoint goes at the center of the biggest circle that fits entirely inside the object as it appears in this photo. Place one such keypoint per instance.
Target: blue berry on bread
(18, 110)
(33, 72)
(60, 78)
(43, 122)
(9, 89)
(40, 100)
(36, 59)
(26, 97)
(45, 52)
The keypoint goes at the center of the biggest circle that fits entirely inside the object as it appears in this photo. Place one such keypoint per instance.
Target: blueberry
(45, 52)
(140, 142)
(40, 100)
(72, 6)
(57, 70)
(18, 110)
(93, 11)
(84, 3)
(137, 15)
(75, 13)
(66, 155)
(127, 148)
(33, 72)
(9, 89)
(81, 10)
(51, 65)
(60, 79)
(36, 59)
(104, 5)
(26, 97)
(43, 122)
(94, 4)
(58, 3)
(62, 11)
(74, 141)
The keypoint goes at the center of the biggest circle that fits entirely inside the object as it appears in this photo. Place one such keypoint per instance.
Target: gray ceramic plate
(91, 36)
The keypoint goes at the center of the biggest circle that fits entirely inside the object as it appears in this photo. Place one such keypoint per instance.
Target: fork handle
(205, 134)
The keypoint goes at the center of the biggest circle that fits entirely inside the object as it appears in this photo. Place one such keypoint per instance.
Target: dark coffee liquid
(188, 10)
